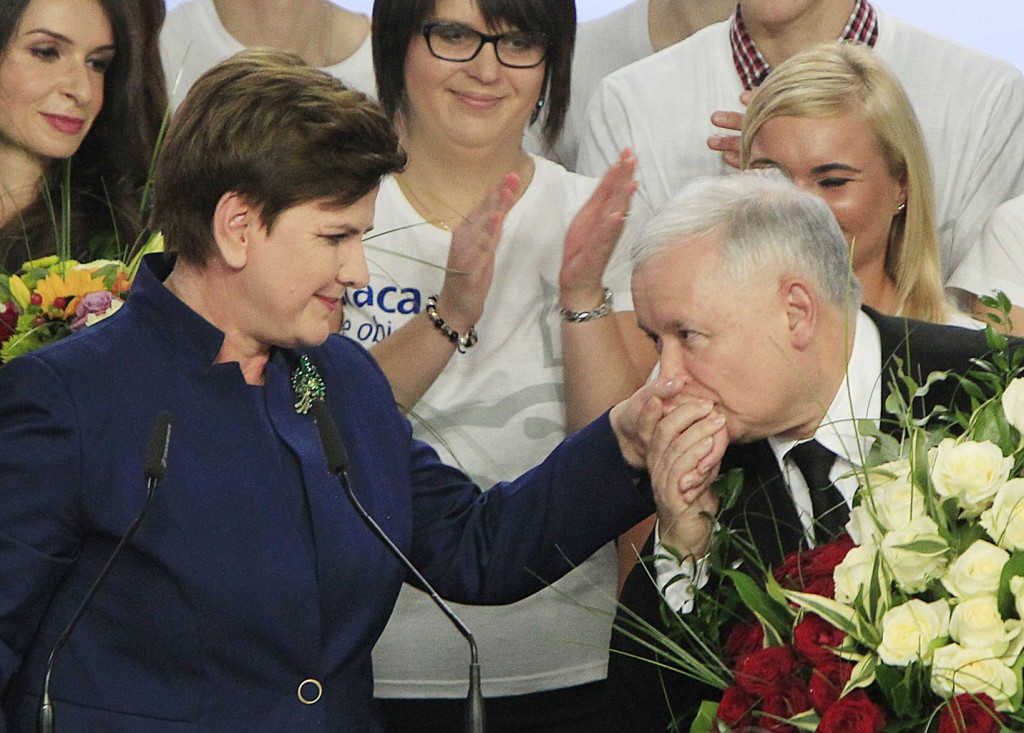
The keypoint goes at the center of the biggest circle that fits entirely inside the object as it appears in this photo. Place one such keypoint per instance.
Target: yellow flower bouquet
(53, 297)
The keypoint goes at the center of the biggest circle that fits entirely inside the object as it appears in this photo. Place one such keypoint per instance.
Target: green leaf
(774, 614)
(728, 488)
(990, 424)
(924, 547)
(807, 720)
(838, 614)
(705, 720)
(1014, 566)
(863, 673)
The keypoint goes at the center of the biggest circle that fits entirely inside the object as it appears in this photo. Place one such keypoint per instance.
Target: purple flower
(94, 307)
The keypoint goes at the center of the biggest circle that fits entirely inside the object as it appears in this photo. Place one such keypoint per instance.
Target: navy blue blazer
(646, 698)
(251, 573)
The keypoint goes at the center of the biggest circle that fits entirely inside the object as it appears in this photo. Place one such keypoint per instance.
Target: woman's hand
(593, 234)
(471, 257)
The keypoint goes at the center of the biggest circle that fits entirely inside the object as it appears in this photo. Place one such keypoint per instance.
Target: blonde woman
(836, 121)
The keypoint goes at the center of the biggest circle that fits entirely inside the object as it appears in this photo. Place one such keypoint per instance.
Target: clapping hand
(593, 234)
(470, 266)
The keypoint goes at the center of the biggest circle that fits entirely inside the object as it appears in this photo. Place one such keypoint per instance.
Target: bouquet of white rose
(914, 620)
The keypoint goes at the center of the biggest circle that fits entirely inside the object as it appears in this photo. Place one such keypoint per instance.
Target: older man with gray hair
(744, 284)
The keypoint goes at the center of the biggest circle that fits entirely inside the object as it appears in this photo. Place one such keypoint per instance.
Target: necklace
(421, 208)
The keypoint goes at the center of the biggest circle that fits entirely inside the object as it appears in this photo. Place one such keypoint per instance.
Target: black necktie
(830, 510)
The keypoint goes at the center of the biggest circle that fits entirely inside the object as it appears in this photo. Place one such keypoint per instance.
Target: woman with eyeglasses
(498, 346)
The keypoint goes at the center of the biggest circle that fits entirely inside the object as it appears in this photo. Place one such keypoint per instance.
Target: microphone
(337, 462)
(154, 469)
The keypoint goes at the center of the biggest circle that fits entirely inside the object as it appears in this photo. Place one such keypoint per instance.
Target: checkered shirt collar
(862, 27)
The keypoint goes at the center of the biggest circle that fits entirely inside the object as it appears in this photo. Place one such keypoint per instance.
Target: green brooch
(307, 384)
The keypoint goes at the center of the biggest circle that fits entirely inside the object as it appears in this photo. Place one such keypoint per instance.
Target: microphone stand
(337, 463)
(156, 466)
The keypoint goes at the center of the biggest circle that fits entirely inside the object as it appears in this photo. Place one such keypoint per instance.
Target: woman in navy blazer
(252, 594)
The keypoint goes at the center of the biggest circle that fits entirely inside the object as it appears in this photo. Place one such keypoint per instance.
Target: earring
(536, 110)
(901, 208)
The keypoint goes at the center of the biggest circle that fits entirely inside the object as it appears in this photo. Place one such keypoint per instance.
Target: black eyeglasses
(457, 42)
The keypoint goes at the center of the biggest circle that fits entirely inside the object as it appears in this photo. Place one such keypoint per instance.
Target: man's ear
(235, 223)
(801, 307)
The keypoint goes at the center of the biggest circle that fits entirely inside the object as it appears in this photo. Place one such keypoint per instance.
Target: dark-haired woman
(74, 86)
(497, 351)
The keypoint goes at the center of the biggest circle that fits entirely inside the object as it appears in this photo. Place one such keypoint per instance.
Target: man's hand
(729, 145)
(683, 458)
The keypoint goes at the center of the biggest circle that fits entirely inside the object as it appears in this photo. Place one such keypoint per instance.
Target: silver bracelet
(594, 313)
(461, 341)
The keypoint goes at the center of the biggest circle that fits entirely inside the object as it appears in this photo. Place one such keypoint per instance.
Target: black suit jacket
(646, 697)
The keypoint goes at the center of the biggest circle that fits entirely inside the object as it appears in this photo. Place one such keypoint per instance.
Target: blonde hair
(847, 78)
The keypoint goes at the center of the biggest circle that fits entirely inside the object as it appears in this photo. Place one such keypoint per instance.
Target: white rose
(912, 568)
(970, 471)
(862, 527)
(909, 630)
(977, 623)
(892, 496)
(1004, 520)
(1013, 403)
(956, 670)
(976, 572)
(854, 572)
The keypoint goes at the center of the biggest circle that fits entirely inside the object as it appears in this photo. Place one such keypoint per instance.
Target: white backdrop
(991, 25)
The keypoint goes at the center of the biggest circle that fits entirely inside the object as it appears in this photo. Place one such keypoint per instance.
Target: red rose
(763, 670)
(792, 698)
(824, 559)
(827, 682)
(736, 708)
(790, 568)
(8, 321)
(970, 714)
(743, 640)
(801, 569)
(854, 713)
(822, 587)
(814, 638)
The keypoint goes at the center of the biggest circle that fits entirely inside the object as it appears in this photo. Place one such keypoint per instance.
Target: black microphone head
(330, 438)
(159, 441)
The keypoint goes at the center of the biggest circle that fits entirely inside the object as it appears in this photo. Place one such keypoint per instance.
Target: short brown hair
(265, 125)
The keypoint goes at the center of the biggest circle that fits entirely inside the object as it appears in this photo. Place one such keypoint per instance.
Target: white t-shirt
(970, 105)
(603, 45)
(996, 262)
(193, 39)
(495, 411)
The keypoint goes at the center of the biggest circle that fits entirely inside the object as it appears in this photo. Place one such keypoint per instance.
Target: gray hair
(766, 222)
